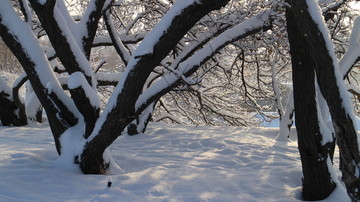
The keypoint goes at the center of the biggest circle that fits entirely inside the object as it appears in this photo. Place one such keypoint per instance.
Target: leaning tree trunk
(318, 45)
(317, 182)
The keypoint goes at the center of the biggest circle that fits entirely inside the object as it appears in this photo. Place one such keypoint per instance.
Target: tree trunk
(317, 182)
(325, 65)
(123, 113)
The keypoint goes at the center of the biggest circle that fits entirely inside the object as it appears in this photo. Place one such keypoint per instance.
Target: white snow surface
(167, 163)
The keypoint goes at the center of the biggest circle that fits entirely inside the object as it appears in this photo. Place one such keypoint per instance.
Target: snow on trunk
(4, 87)
(276, 88)
(324, 113)
(77, 80)
(32, 104)
(30, 46)
(287, 120)
(337, 97)
(75, 48)
(316, 15)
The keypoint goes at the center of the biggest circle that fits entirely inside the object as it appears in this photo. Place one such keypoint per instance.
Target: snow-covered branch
(352, 55)
(126, 39)
(246, 28)
(153, 49)
(89, 23)
(62, 38)
(116, 41)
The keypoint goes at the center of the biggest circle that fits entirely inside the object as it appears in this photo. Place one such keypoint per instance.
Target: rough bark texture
(123, 114)
(325, 72)
(317, 183)
(91, 114)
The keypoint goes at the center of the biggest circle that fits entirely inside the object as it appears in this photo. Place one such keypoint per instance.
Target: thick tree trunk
(317, 182)
(329, 86)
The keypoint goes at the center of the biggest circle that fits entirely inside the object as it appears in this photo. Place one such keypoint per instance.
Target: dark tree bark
(22, 119)
(92, 113)
(12, 110)
(92, 24)
(8, 111)
(325, 72)
(317, 182)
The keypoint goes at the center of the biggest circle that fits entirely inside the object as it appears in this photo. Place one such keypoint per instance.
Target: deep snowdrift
(168, 163)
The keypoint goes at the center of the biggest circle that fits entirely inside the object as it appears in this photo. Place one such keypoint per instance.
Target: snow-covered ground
(167, 163)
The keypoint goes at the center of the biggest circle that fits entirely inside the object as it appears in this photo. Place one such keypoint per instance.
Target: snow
(147, 45)
(317, 16)
(324, 118)
(111, 77)
(71, 142)
(201, 55)
(25, 36)
(167, 163)
(75, 48)
(351, 55)
(32, 105)
(42, 1)
(76, 80)
(124, 38)
(4, 87)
